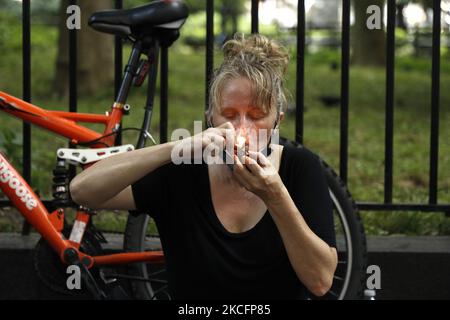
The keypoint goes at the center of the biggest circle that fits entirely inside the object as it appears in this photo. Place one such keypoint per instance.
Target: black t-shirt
(203, 259)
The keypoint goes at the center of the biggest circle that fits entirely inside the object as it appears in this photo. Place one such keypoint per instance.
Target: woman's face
(248, 119)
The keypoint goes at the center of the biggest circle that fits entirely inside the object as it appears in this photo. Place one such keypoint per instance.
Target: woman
(262, 230)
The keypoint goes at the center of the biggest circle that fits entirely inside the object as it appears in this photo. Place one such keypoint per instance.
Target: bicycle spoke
(338, 278)
(157, 272)
(159, 290)
(135, 278)
(333, 293)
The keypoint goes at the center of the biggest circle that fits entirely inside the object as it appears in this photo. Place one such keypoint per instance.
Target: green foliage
(10, 32)
(406, 223)
(11, 144)
(231, 6)
(322, 78)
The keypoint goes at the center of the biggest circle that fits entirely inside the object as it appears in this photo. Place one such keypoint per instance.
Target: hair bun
(257, 49)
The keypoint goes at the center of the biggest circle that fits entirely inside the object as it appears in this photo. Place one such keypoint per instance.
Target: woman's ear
(281, 116)
(278, 121)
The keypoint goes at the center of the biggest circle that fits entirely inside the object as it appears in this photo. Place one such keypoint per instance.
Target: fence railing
(387, 204)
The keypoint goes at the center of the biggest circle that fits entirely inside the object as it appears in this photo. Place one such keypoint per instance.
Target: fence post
(26, 71)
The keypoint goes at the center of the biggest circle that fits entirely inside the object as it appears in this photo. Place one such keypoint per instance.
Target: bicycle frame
(50, 224)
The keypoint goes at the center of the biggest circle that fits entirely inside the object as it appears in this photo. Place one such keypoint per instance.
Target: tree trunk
(95, 54)
(368, 46)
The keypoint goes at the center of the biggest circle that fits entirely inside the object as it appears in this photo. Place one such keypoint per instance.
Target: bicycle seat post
(130, 71)
(153, 57)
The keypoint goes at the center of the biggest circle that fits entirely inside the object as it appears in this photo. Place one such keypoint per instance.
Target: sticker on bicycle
(11, 180)
(77, 231)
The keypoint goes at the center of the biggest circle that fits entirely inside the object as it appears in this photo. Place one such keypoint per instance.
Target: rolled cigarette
(240, 141)
(240, 146)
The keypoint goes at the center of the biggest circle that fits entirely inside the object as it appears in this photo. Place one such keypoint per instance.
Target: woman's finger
(226, 125)
(260, 158)
(240, 173)
(241, 170)
(215, 138)
(226, 129)
(252, 165)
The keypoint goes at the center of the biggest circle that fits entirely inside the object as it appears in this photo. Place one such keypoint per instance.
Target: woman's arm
(100, 183)
(106, 184)
(313, 260)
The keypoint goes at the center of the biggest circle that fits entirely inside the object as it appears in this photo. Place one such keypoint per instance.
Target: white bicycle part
(84, 156)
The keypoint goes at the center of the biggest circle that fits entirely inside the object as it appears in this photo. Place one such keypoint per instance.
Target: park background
(412, 104)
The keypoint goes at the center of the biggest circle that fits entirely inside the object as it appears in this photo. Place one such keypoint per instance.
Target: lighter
(239, 149)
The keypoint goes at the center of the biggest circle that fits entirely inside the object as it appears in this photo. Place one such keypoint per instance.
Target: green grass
(321, 134)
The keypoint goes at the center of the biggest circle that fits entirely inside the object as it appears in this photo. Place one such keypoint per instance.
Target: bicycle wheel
(350, 238)
(151, 283)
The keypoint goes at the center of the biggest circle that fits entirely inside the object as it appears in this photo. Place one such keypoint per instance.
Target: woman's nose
(242, 123)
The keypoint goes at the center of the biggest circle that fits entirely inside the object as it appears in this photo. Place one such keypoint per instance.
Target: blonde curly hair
(259, 59)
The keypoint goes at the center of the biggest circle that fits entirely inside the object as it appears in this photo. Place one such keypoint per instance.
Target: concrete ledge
(19, 242)
(423, 244)
(411, 267)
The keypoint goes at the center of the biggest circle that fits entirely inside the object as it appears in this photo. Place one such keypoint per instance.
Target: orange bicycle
(149, 28)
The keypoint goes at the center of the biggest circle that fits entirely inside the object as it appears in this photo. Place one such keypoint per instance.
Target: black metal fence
(387, 204)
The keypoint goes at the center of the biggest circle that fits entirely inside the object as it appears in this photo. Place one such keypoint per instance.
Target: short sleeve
(312, 197)
(151, 192)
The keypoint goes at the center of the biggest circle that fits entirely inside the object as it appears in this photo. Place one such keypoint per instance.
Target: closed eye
(229, 114)
(257, 115)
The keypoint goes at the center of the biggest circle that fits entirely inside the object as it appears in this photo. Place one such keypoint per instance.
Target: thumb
(226, 125)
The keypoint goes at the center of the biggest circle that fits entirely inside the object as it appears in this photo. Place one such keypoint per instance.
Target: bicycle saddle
(139, 21)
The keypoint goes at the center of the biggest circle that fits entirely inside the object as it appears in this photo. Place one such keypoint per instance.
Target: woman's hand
(216, 135)
(211, 138)
(257, 174)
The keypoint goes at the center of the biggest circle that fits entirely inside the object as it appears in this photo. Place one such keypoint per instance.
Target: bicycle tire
(352, 240)
(134, 241)
(352, 253)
